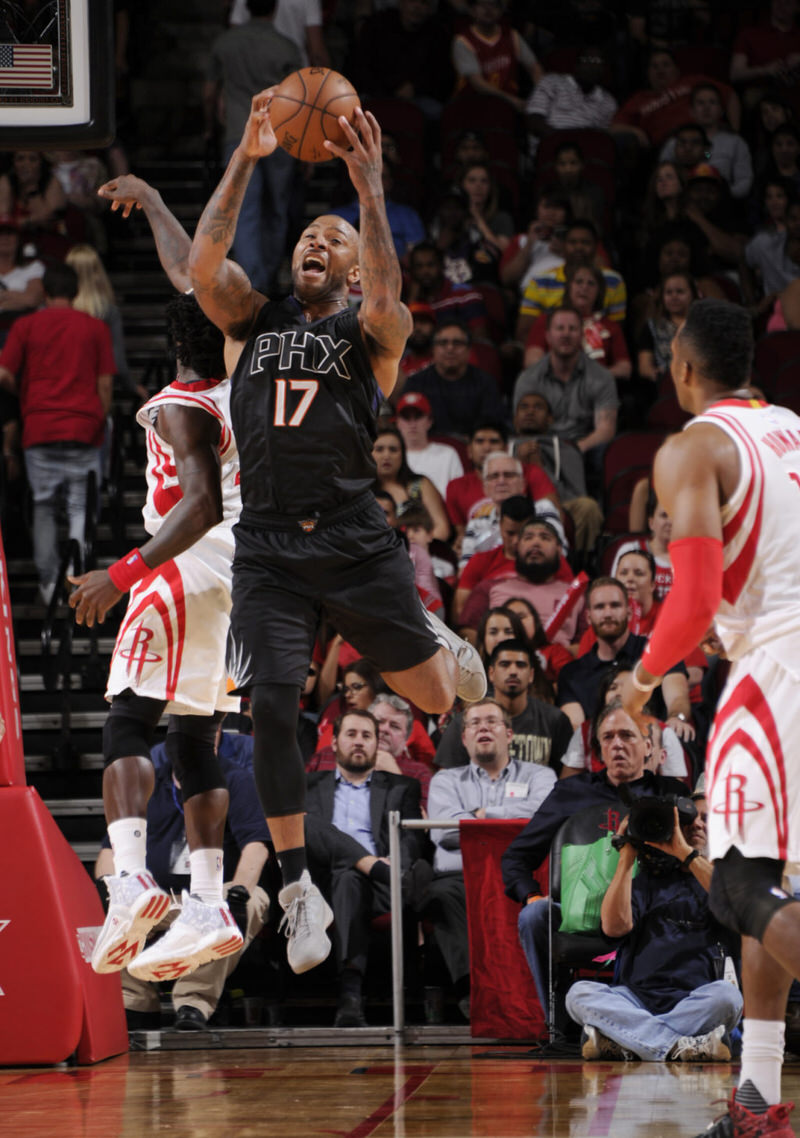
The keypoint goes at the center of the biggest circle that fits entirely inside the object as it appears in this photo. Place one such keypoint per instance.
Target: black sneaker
(188, 1018)
(350, 1012)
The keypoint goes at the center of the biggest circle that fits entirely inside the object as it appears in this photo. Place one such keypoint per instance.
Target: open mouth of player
(313, 265)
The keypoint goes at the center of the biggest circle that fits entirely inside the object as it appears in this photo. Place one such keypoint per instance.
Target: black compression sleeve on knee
(277, 762)
(746, 892)
(191, 751)
(130, 726)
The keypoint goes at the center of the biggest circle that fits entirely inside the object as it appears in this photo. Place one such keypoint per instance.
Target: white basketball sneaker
(136, 904)
(201, 933)
(306, 917)
(471, 684)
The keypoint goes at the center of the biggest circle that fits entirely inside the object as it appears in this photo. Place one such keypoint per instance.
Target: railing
(58, 667)
(396, 823)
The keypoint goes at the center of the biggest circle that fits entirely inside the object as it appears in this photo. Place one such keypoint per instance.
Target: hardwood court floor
(351, 1092)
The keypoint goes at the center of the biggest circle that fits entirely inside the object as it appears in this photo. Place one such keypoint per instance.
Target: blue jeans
(260, 239)
(621, 1016)
(534, 937)
(53, 470)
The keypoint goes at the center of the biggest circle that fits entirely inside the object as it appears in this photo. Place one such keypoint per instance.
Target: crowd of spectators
(559, 193)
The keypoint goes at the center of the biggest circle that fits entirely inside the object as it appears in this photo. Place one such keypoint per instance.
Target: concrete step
(88, 807)
(34, 764)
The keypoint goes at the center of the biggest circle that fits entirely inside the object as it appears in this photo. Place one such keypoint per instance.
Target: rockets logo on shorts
(137, 654)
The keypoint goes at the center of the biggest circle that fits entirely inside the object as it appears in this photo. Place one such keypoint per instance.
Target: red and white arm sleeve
(691, 604)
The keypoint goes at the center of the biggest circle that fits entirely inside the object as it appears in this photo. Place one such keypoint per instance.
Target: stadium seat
(582, 863)
(630, 449)
(666, 414)
(785, 385)
(596, 146)
(405, 122)
(485, 355)
(772, 352)
(701, 59)
(496, 313)
(609, 551)
(494, 119)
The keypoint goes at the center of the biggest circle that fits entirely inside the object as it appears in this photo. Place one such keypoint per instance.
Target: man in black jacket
(624, 749)
(357, 799)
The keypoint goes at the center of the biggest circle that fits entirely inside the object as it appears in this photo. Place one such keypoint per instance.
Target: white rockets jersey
(760, 605)
(172, 640)
(163, 488)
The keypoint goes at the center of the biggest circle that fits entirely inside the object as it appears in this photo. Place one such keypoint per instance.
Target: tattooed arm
(172, 241)
(385, 320)
(222, 288)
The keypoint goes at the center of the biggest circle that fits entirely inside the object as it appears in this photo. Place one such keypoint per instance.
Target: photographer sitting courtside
(669, 1000)
(624, 751)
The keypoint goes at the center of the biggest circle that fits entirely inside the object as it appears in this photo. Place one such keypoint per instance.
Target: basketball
(305, 108)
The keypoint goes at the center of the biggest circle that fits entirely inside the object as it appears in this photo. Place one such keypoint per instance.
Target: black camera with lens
(653, 819)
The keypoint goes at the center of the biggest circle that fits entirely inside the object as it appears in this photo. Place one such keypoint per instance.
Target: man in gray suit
(357, 799)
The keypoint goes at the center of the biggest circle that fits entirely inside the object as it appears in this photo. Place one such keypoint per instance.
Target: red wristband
(691, 604)
(128, 570)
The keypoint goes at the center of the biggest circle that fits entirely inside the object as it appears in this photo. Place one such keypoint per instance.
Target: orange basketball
(305, 109)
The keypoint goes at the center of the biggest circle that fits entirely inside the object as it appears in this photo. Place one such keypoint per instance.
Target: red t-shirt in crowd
(659, 113)
(57, 356)
(766, 44)
(464, 492)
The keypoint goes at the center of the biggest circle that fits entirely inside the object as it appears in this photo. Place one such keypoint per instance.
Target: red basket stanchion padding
(503, 1000)
(51, 1002)
(12, 759)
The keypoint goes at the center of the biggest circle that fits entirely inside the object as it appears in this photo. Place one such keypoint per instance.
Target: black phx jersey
(303, 402)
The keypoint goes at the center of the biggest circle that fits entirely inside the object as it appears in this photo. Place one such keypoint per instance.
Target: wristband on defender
(128, 570)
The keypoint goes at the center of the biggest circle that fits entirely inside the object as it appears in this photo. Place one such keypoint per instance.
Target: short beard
(356, 766)
(538, 574)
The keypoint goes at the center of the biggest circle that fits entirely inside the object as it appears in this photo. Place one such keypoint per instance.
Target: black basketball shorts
(354, 570)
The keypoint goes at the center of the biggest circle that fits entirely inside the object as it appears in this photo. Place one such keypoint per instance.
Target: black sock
(350, 982)
(380, 872)
(292, 863)
(750, 1097)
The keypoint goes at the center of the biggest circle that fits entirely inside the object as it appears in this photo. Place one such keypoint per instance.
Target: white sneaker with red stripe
(200, 934)
(136, 904)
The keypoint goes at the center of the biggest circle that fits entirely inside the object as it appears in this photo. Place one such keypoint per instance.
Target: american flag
(26, 65)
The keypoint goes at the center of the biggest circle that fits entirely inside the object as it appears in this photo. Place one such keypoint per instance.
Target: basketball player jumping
(306, 375)
(730, 481)
(170, 650)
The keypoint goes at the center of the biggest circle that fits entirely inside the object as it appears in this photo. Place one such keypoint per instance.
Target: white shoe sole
(153, 967)
(114, 952)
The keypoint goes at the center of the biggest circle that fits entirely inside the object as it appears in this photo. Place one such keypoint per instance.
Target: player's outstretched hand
(94, 595)
(125, 192)
(364, 159)
(258, 140)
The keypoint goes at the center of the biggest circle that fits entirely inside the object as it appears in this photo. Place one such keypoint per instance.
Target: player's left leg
(455, 670)
(205, 929)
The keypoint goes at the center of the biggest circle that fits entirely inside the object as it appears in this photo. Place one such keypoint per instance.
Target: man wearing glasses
(490, 786)
(459, 393)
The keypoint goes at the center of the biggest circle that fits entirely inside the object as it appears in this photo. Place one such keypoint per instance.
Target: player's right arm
(193, 435)
(222, 287)
(172, 241)
(694, 474)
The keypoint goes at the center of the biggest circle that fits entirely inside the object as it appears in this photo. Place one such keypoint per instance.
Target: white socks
(762, 1057)
(206, 875)
(128, 844)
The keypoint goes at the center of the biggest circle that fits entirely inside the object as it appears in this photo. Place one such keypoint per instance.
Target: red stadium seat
(785, 386)
(666, 414)
(494, 119)
(772, 352)
(496, 311)
(609, 552)
(596, 146)
(486, 356)
(405, 122)
(628, 450)
(700, 59)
